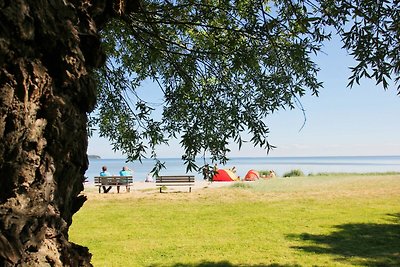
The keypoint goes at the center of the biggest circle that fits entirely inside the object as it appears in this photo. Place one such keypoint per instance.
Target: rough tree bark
(48, 49)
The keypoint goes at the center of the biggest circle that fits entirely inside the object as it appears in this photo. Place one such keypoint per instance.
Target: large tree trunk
(47, 50)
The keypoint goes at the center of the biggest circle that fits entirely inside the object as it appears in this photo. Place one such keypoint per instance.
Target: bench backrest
(175, 179)
(113, 180)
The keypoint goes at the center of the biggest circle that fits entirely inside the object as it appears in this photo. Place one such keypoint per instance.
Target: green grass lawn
(333, 220)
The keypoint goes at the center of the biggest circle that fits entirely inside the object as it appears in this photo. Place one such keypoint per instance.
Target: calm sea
(281, 165)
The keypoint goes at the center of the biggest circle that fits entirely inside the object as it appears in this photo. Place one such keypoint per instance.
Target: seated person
(271, 174)
(104, 172)
(124, 172)
(149, 178)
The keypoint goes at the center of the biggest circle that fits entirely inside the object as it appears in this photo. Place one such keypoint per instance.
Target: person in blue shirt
(104, 172)
(124, 172)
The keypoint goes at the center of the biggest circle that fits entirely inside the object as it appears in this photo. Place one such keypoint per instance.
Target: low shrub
(294, 173)
(240, 185)
(267, 174)
(353, 174)
(264, 172)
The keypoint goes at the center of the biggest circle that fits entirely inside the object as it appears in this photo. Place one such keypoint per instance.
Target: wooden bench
(175, 180)
(110, 181)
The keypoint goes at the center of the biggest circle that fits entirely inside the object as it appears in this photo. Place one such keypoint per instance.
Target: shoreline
(308, 165)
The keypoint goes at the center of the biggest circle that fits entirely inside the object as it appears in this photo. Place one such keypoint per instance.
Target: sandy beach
(143, 186)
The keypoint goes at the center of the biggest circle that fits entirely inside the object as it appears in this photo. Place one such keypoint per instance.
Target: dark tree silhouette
(48, 50)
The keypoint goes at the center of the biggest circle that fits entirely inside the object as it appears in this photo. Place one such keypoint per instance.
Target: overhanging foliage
(223, 66)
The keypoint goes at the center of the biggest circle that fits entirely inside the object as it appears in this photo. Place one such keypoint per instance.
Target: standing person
(234, 169)
(214, 172)
(124, 172)
(103, 173)
(206, 172)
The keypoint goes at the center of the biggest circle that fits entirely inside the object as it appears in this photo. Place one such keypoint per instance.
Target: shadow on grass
(367, 244)
(225, 264)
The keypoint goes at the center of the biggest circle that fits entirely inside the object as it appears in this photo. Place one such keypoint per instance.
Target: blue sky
(360, 121)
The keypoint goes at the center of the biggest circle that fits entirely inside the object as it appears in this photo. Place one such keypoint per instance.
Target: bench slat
(113, 181)
(175, 180)
(175, 184)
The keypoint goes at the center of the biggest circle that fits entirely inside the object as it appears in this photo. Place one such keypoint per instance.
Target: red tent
(252, 175)
(225, 176)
